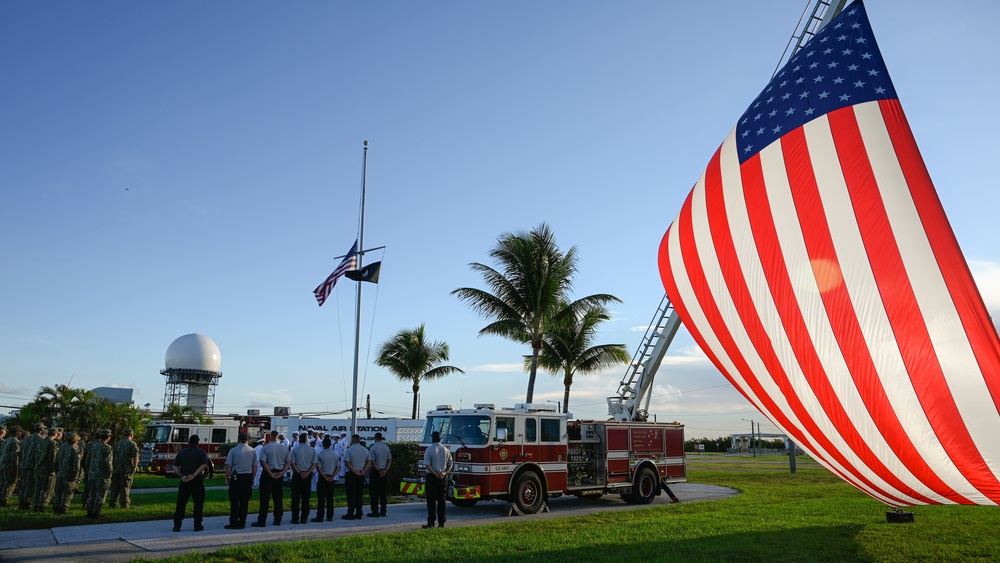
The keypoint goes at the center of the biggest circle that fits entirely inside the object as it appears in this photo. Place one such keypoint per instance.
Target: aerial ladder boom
(625, 406)
(817, 14)
(638, 381)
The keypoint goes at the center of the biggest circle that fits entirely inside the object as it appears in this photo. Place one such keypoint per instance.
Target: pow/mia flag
(368, 273)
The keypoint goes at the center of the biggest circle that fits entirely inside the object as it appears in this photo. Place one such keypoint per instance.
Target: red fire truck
(164, 438)
(530, 453)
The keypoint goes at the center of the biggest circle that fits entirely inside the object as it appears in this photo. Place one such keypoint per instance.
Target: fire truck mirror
(501, 435)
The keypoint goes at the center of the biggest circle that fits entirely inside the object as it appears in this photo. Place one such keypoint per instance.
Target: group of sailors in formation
(46, 467)
(314, 461)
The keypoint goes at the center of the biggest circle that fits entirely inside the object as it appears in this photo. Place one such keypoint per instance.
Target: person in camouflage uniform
(10, 459)
(26, 476)
(99, 467)
(67, 473)
(82, 446)
(126, 454)
(45, 470)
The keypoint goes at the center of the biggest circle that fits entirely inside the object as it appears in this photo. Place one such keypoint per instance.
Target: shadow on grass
(834, 543)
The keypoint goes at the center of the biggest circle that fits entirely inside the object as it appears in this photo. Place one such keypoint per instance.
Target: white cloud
(14, 390)
(640, 328)
(687, 356)
(282, 396)
(259, 404)
(987, 276)
(615, 316)
(666, 394)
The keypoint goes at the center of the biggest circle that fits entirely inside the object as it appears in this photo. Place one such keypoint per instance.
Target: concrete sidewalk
(155, 539)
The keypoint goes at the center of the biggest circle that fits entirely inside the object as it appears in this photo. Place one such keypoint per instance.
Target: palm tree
(568, 347)
(409, 357)
(529, 288)
(80, 410)
(64, 405)
(118, 417)
(184, 413)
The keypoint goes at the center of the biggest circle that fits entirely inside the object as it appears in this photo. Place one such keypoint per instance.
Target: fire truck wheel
(464, 502)
(644, 489)
(528, 493)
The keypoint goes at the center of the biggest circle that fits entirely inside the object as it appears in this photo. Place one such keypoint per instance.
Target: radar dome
(193, 351)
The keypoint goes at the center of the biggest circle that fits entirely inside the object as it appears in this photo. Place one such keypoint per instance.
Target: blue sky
(168, 168)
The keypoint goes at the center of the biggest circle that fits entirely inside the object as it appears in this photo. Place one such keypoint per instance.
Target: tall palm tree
(408, 356)
(527, 290)
(567, 347)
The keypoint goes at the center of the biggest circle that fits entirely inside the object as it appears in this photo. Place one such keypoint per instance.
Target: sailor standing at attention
(191, 464)
(303, 465)
(274, 460)
(437, 460)
(378, 480)
(356, 459)
(241, 469)
(319, 449)
(327, 466)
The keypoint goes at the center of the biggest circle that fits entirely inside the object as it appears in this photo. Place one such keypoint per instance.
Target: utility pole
(791, 456)
(753, 441)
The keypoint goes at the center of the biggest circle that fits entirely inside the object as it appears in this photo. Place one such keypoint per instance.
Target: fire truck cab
(529, 453)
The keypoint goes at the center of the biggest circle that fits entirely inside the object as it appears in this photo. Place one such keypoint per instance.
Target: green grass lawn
(808, 516)
(149, 481)
(145, 506)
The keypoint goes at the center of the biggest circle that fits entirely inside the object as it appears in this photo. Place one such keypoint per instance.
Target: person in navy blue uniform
(190, 464)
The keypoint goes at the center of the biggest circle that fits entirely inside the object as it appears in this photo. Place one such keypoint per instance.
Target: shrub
(404, 464)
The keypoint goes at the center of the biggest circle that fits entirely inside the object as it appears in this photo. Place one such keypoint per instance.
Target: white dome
(193, 351)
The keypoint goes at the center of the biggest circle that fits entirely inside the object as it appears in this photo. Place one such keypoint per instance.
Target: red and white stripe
(823, 279)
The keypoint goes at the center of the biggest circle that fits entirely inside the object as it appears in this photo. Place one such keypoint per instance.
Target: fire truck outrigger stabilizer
(529, 453)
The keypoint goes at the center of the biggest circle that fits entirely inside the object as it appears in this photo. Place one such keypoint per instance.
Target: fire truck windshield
(158, 434)
(462, 429)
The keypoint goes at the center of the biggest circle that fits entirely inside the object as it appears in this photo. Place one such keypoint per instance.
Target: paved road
(155, 540)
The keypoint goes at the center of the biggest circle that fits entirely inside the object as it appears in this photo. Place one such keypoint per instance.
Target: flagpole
(357, 312)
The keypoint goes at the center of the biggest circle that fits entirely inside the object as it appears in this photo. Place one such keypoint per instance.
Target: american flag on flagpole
(814, 264)
(350, 262)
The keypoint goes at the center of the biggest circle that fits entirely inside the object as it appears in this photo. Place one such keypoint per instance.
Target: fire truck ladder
(814, 18)
(638, 381)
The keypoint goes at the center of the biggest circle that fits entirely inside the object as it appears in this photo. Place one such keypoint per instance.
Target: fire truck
(529, 453)
(164, 438)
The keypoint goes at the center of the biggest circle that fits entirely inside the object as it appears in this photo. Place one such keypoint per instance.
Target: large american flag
(814, 264)
(350, 262)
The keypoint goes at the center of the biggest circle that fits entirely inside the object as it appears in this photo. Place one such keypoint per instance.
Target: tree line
(723, 443)
(79, 410)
